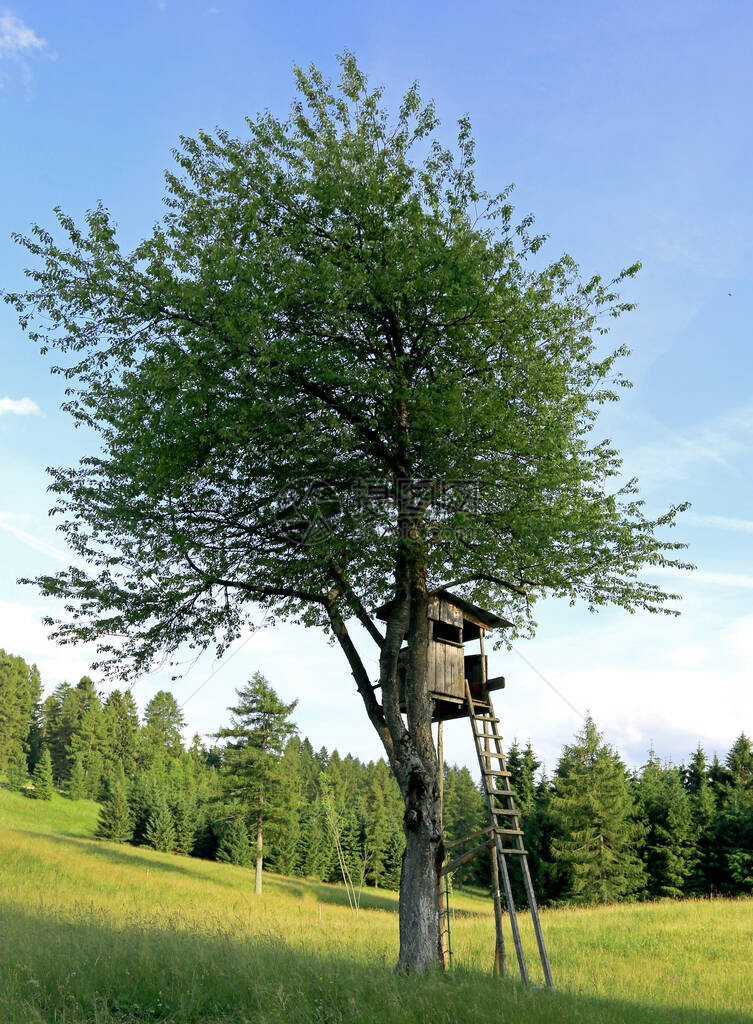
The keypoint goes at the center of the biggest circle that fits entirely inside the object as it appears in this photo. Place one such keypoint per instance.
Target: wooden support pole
(444, 931)
(500, 957)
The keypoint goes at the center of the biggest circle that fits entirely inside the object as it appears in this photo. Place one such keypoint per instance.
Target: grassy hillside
(101, 933)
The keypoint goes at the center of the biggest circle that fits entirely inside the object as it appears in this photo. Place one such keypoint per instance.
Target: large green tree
(337, 373)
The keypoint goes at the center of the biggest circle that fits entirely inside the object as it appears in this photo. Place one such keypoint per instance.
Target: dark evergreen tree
(185, 816)
(464, 812)
(115, 818)
(160, 828)
(252, 771)
(597, 836)
(704, 875)
(121, 727)
(235, 847)
(669, 849)
(160, 738)
(17, 770)
(20, 689)
(42, 778)
(75, 786)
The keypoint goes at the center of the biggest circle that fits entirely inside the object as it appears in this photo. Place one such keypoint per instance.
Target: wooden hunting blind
(454, 622)
(460, 687)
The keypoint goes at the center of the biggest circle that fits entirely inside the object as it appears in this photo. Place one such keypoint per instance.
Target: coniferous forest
(595, 831)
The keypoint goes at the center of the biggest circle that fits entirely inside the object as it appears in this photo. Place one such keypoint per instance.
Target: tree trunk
(420, 939)
(259, 844)
(420, 944)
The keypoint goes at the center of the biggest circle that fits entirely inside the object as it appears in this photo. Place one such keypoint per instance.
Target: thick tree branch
(363, 683)
(363, 616)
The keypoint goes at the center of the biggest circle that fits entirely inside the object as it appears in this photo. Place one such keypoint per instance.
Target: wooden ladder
(507, 835)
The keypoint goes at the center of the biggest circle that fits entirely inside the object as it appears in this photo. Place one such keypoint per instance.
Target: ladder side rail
(525, 870)
(517, 942)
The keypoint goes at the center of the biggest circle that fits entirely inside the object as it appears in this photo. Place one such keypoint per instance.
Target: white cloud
(19, 406)
(16, 38)
(22, 632)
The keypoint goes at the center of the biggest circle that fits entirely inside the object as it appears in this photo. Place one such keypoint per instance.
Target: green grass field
(96, 932)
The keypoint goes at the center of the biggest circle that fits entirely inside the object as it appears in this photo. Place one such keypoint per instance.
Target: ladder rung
(488, 736)
(486, 718)
(509, 831)
(521, 853)
(506, 810)
(498, 771)
(492, 753)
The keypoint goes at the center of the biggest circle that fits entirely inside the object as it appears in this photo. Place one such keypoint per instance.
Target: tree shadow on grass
(87, 970)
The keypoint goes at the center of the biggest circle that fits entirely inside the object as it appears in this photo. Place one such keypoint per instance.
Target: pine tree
(18, 770)
(160, 829)
(42, 778)
(235, 847)
(121, 727)
(377, 830)
(594, 816)
(739, 763)
(704, 872)
(252, 764)
(393, 862)
(464, 812)
(76, 785)
(160, 738)
(186, 819)
(668, 852)
(20, 689)
(115, 819)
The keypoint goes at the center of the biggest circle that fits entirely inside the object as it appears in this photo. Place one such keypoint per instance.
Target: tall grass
(101, 933)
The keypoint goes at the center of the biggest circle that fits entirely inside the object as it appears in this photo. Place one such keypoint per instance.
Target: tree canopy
(333, 341)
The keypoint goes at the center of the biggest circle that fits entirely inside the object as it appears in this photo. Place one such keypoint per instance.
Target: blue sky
(627, 131)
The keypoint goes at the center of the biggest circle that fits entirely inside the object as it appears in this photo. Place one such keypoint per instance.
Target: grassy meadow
(108, 934)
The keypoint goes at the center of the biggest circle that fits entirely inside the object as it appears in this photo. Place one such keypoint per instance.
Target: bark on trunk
(259, 844)
(420, 944)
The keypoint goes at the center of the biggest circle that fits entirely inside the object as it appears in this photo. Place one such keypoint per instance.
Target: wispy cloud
(720, 522)
(717, 441)
(16, 38)
(7, 523)
(734, 580)
(19, 406)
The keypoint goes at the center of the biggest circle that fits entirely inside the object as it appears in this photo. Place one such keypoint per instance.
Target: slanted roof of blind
(470, 611)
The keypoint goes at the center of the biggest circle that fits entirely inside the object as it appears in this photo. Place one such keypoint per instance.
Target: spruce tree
(42, 777)
(235, 847)
(160, 828)
(252, 771)
(20, 689)
(703, 876)
(668, 852)
(75, 787)
(186, 820)
(594, 816)
(115, 819)
(18, 770)
(121, 727)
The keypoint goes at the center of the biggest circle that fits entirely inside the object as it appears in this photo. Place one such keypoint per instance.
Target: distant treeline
(594, 830)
